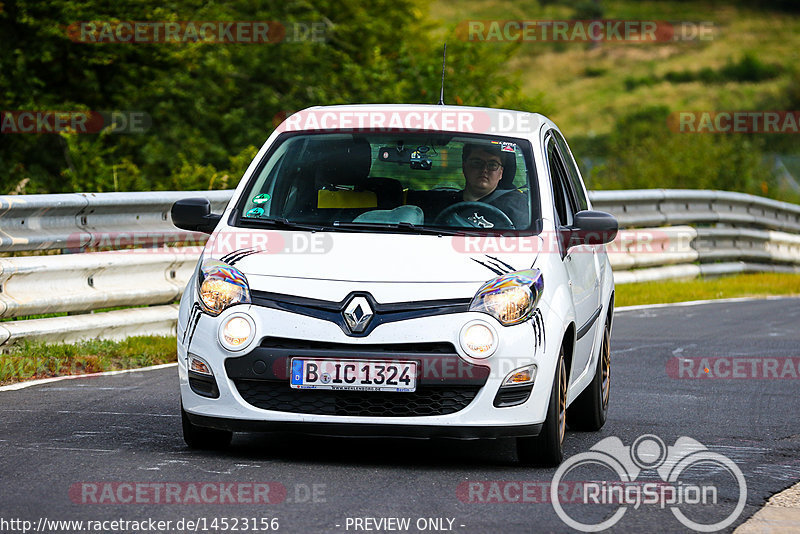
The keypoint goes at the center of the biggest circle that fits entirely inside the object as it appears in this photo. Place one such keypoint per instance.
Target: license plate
(354, 375)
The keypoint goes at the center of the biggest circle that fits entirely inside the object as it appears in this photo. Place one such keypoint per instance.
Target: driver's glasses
(479, 164)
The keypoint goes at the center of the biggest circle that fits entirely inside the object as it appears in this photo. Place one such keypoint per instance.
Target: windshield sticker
(255, 212)
(262, 198)
(506, 146)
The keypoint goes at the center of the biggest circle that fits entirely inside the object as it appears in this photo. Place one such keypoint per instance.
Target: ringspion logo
(689, 483)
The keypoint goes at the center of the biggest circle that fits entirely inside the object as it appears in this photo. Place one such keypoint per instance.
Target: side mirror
(593, 228)
(194, 215)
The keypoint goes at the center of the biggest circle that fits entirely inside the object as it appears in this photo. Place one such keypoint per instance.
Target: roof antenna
(444, 59)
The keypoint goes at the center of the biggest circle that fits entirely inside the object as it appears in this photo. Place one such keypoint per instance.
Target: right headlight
(510, 298)
(220, 286)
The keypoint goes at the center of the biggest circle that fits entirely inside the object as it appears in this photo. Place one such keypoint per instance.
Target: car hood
(371, 257)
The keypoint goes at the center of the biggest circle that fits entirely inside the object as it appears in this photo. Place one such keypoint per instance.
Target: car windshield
(394, 182)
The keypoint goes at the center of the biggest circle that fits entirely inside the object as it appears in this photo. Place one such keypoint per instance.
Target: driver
(483, 167)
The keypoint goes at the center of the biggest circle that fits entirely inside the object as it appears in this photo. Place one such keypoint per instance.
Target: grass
(31, 360)
(584, 89)
(743, 285)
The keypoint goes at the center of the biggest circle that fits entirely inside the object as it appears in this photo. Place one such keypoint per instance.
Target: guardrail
(665, 234)
(644, 208)
(730, 233)
(60, 280)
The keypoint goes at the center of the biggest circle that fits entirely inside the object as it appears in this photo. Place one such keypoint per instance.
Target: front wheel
(198, 437)
(547, 449)
(589, 411)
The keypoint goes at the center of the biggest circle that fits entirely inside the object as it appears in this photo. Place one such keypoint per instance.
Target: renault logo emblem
(357, 314)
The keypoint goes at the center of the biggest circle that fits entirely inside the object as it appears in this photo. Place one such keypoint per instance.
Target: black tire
(198, 437)
(589, 411)
(547, 449)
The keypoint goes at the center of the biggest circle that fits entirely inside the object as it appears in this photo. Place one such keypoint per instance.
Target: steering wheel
(454, 214)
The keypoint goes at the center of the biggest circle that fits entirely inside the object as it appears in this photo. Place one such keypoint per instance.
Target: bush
(749, 69)
(643, 154)
(632, 82)
(594, 72)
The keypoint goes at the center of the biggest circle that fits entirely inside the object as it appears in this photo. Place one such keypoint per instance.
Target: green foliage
(645, 154)
(209, 103)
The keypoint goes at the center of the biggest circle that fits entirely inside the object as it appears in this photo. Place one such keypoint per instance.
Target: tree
(209, 103)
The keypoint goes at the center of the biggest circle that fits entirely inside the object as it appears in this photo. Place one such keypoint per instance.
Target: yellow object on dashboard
(346, 199)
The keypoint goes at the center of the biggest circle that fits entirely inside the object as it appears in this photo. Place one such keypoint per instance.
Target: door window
(562, 194)
(572, 172)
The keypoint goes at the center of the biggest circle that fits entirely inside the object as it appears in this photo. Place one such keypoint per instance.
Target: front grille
(278, 396)
(383, 313)
(404, 348)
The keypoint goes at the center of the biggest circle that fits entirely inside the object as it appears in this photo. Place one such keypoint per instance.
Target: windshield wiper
(282, 222)
(404, 227)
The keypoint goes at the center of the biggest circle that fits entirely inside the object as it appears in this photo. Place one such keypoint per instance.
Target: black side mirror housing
(593, 228)
(194, 215)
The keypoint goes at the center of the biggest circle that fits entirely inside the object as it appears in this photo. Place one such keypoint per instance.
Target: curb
(40, 381)
(780, 514)
(701, 302)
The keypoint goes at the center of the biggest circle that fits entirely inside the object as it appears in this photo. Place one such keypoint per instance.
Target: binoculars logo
(686, 477)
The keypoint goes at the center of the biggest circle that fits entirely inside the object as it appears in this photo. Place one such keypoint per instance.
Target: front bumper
(457, 396)
(367, 430)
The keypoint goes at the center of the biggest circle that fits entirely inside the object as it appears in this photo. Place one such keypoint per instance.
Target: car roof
(463, 119)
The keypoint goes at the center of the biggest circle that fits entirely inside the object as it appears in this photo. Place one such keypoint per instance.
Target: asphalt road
(66, 444)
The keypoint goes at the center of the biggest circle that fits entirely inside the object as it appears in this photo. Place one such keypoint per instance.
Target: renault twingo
(398, 270)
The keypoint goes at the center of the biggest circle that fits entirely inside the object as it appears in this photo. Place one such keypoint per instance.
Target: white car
(399, 270)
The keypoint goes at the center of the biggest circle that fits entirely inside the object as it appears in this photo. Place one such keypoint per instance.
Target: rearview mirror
(194, 215)
(593, 228)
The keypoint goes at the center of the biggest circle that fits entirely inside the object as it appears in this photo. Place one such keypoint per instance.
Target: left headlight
(220, 286)
(510, 298)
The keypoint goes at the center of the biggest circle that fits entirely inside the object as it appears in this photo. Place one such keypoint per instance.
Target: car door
(580, 261)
